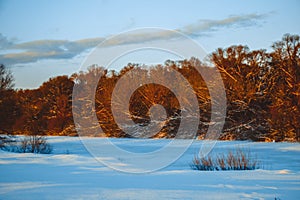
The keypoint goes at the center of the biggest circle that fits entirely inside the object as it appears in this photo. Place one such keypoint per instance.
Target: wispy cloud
(5, 42)
(47, 49)
(232, 21)
(63, 49)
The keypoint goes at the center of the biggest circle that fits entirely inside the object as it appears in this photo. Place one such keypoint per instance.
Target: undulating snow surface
(71, 172)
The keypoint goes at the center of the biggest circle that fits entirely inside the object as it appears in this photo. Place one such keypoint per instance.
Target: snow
(71, 172)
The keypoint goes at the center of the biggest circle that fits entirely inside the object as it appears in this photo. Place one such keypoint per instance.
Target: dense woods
(262, 90)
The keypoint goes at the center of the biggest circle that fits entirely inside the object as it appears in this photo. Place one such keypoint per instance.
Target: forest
(262, 91)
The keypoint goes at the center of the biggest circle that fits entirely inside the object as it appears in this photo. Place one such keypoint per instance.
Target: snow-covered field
(71, 172)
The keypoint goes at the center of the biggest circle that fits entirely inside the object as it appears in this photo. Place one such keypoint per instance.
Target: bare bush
(35, 144)
(28, 144)
(233, 160)
(6, 141)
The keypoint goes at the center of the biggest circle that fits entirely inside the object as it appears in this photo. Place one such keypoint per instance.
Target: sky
(43, 39)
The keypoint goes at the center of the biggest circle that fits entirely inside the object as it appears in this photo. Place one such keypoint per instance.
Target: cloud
(4, 42)
(47, 49)
(213, 25)
(64, 49)
(130, 24)
(200, 28)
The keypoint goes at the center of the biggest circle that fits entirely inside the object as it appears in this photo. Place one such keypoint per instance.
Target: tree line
(262, 90)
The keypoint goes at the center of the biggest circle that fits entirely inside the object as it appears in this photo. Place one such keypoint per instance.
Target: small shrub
(35, 144)
(29, 144)
(233, 160)
(203, 164)
(6, 141)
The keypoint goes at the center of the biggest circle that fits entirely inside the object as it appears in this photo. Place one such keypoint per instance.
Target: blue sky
(42, 39)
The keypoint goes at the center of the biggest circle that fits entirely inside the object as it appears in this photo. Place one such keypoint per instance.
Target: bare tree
(7, 100)
(6, 79)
